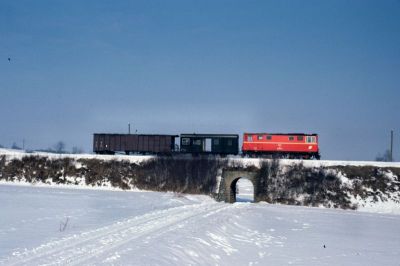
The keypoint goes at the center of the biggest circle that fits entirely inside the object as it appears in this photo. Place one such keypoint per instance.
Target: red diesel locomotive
(293, 145)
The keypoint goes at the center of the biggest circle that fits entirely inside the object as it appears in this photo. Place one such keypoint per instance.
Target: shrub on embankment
(295, 184)
(343, 187)
(174, 173)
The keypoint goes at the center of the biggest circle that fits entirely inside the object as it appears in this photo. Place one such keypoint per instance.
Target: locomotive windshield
(311, 139)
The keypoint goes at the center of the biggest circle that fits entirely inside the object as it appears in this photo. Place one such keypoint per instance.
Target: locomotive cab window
(259, 137)
(300, 138)
(291, 138)
(185, 141)
(249, 138)
(309, 139)
(269, 137)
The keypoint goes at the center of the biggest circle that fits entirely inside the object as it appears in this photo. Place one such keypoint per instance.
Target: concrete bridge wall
(229, 181)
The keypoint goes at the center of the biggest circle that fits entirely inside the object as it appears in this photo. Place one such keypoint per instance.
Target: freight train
(277, 145)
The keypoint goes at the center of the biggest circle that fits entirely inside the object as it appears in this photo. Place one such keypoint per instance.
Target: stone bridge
(227, 189)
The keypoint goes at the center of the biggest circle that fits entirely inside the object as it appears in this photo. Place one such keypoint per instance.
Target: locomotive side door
(207, 145)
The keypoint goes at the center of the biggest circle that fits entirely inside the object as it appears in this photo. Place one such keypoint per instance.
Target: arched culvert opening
(243, 190)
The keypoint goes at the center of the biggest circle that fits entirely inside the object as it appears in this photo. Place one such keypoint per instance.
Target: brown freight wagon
(135, 143)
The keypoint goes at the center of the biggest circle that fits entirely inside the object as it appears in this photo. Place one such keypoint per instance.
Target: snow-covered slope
(18, 154)
(136, 228)
(373, 186)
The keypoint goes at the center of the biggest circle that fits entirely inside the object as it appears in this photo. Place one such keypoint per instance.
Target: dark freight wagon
(135, 143)
(210, 143)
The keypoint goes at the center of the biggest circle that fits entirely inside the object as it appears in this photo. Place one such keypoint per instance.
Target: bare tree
(64, 224)
(15, 146)
(77, 150)
(59, 147)
(384, 158)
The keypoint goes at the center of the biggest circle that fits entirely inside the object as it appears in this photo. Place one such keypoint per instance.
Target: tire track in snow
(149, 228)
(79, 248)
(53, 247)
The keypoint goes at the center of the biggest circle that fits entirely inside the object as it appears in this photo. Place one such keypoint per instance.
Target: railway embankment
(332, 184)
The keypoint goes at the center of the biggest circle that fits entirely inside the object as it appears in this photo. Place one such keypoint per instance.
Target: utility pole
(23, 144)
(391, 145)
(129, 128)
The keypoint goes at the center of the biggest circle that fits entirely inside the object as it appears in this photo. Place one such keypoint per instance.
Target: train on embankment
(269, 145)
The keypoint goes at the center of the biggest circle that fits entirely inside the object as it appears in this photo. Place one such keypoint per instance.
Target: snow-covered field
(53, 226)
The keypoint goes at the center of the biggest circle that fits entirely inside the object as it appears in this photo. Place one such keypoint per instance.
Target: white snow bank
(389, 206)
(107, 186)
(314, 163)
(18, 154)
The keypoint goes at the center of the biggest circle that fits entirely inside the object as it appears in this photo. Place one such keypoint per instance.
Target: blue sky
(326, 67)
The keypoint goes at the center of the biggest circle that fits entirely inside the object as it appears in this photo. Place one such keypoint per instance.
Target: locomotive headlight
(310, 147)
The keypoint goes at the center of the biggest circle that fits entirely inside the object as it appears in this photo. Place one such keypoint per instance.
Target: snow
(150, 228)
(53, 224)
(388, 206)
(18, 154)
(344, 180)
(312, 163)
(245, 190)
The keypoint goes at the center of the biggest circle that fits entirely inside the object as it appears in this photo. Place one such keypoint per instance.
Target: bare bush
(385, 157)
(64, 224)
(299, 185)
